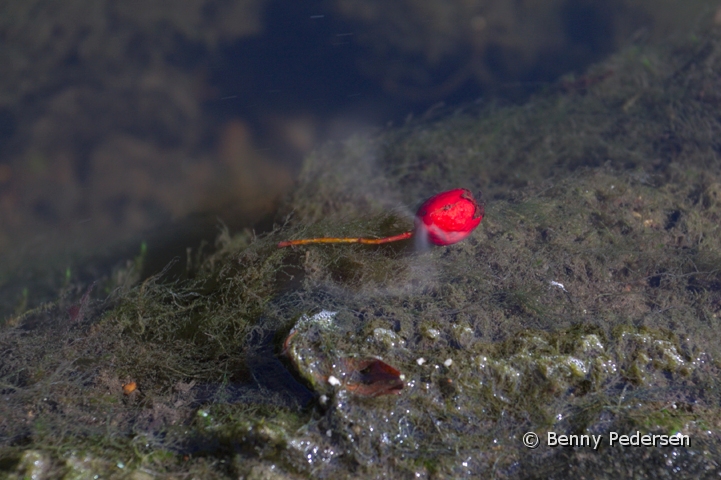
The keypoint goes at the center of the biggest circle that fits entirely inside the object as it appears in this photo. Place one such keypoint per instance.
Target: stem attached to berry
(365, 241)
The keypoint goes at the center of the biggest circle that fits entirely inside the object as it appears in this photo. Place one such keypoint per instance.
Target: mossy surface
(588, 301)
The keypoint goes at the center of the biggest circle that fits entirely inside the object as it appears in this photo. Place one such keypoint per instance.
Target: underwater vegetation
(586, 302)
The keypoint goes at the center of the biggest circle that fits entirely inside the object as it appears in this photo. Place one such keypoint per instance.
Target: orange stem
(365, 241)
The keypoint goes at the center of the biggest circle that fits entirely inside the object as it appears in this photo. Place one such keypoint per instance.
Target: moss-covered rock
(586, 302)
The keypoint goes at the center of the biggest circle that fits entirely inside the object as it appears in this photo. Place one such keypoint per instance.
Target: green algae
(586, 302)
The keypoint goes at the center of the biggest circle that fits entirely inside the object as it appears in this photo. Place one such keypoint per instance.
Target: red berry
(449, 217)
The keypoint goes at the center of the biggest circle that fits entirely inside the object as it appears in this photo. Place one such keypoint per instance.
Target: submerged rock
(324, 367)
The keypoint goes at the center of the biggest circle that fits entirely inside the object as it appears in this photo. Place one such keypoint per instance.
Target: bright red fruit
(449, 217)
